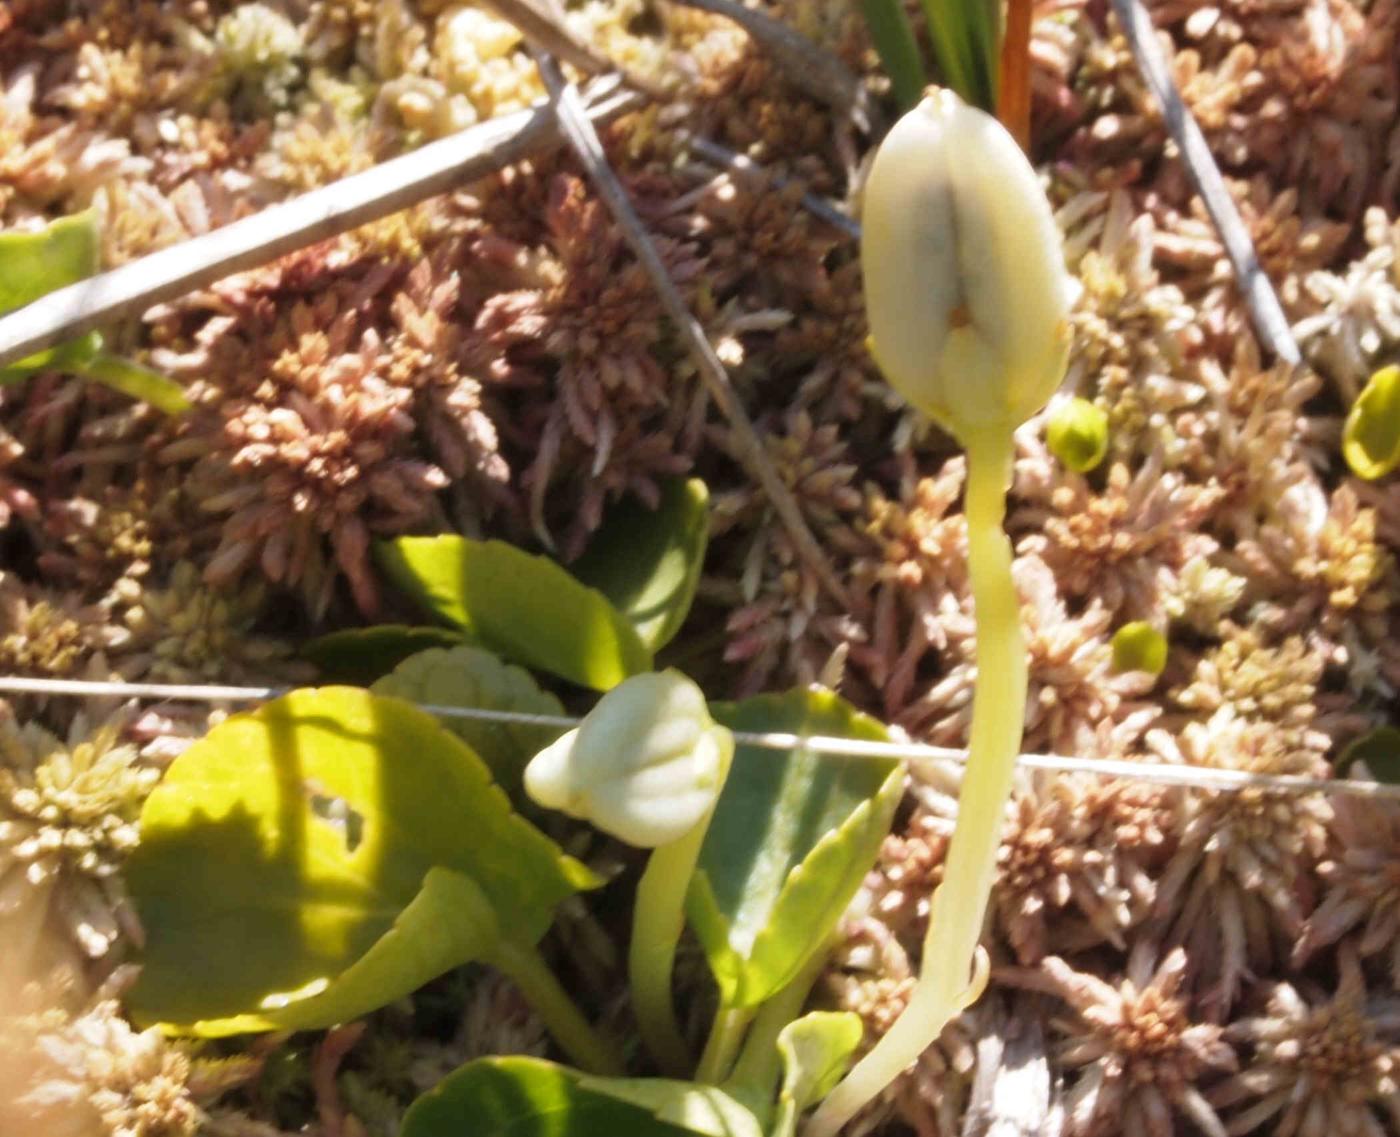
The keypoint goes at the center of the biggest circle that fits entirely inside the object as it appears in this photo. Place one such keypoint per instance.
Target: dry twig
(807, 67)
(1269, 321)
(281, 229)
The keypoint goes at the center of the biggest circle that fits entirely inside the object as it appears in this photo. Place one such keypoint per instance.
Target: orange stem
(1014, 93)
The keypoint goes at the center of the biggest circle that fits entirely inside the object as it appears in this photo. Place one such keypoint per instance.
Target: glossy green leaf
(362, 655)
(69, 356)
(1371, 438)
(792, 837)
(134, 380)
(473, 677)
(895, 43)
(523, 607)
(648, 561)
(526, 1097)
(966, 36)
(816, 1050)
(1379, 753)
(695, 1108)
(280, 851)
(62, 253)
(34, 263)
(448, 923)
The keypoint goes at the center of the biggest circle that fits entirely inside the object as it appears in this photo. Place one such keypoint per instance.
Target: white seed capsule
(965, 281)
(646, 764)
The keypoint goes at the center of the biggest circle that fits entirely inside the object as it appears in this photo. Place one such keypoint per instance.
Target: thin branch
(1269, 321)
(724, 158)
(280, 229)
(806, 66)
(1182, 774)
(544, 26)
(581, 135)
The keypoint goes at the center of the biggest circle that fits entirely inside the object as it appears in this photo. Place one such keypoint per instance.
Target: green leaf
(894, 40)
(132, 379)
(525, 1097)
(69, 356)
(521, 606)
(792, 837)
(62, 253)
(34, 263)
(472, 677)
(1379, 752)
(362, 655)
(1371, 438)
(648, 561)
(448, 923)
(281, 849)
(695, 1108)
(966, 37)
(816, 1050)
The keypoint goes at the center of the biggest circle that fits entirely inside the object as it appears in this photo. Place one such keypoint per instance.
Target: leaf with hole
(473, 677)
(285, 871)
(521, 606)
(529, 1097)
(792, 837)
(648, 561)
(362, 655)
(816, 1050)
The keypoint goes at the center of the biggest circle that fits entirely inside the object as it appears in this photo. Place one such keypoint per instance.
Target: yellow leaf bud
(965, 282)
(1076, 432)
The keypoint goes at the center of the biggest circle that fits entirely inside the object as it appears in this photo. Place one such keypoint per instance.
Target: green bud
(965, 282)
(1371, 439)
(1077, 434)
(1139, 646)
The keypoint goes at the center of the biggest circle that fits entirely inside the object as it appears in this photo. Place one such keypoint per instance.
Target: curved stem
(585, 1047)
(959, 905)
(656, 928)
(725, 1036)
(759, 1063)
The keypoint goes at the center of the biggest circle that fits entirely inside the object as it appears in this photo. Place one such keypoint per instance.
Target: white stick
(1160, 773)
(401, 182)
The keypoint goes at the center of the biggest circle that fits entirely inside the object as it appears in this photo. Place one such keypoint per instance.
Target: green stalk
(755, 1075)
(585, 1047)
(894, 41)
(726, 1034)
(945, 984)
(656, 929)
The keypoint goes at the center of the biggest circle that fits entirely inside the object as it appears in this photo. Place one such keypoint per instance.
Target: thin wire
(1159, 773)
